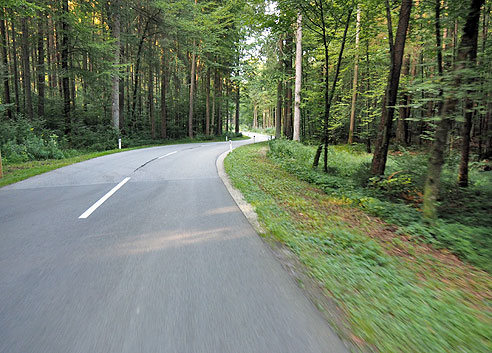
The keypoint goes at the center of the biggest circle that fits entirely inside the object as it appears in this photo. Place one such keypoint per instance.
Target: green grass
(399, 295)
(465, 218)
(14, 172)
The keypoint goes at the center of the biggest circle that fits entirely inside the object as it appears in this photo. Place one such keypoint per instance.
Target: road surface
(163, 261)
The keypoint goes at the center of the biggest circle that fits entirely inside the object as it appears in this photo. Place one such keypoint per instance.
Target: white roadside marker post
(119, 143)
(230, 144)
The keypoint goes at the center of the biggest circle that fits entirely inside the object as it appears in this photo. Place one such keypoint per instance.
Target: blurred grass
(399, 295)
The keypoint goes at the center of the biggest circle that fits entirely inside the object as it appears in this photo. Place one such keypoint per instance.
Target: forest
(392, 76)
(410, 74)
(383, 105)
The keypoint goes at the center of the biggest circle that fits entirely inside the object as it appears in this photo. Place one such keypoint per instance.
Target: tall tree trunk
(207, 102)
(278, 111)
(64, 66)
(236, 116)
(192, 90)
(3, 43)
(329, 93)
(436, 156)
(219, 107)
(297, 96)
(402, 127)
(289, 40)
(121, 100)
(354, 83)
(389, 101)
(164, 83)
(40, 68)
(137, 69)
(227, 105)
(15, 69)
(115, 107)
(151, 101)
(26, 68)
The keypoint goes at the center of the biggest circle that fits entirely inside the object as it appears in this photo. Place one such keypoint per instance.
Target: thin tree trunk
(354, 83)
(15, 69)
(330, 93)
(151, 101)
(207, 102)
(164, 83)
(192, 91)
(40, 68)
(382, 143)
(3, 43)
(236, 116)
(465, 57)
(278, 111)
(115, 107)
(219, 108)
(402, 127)
(26, 69)
(465, 144)
(297, 95)
(289, 41)
(64, 66)
(137, 69)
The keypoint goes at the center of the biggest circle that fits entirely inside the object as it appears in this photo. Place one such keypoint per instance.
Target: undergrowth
(399, 295)
(465, 223)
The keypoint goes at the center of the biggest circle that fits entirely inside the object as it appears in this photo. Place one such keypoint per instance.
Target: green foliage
(465, 229)
(21, 141)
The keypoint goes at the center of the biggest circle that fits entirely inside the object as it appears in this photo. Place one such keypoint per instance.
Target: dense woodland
(406, 74)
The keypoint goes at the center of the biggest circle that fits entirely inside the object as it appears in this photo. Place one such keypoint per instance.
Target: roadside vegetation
(405, 286)
(28, 148)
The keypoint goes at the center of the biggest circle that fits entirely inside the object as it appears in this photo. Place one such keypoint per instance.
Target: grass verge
(399, 295)
(14, 172)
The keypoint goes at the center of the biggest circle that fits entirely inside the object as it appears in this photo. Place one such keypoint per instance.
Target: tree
(115, 106)
(389, 101)
(465, 59)
(354, 84)
(297, 103)
(3, 44)
(26, 68)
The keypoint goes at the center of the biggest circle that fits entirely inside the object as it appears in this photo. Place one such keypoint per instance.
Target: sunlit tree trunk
(297, 95)
(6, 89)
(354, 83)
(278, 111)
(15, 68)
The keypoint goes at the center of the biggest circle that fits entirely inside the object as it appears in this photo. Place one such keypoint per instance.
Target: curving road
(164, 263)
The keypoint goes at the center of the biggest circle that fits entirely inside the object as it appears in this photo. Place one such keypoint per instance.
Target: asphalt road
(167, 263)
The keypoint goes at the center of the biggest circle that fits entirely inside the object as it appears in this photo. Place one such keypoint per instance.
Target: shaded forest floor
(400, 289)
